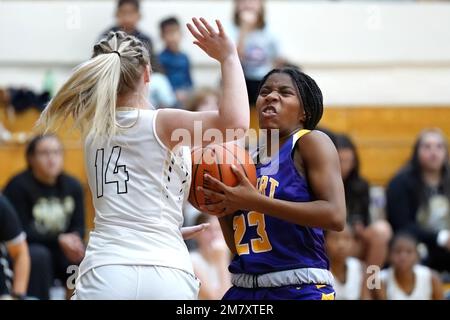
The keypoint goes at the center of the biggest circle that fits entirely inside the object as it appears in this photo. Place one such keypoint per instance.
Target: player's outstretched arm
(233, 110)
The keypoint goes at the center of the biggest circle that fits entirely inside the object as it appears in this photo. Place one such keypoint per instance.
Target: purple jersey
(267, 244)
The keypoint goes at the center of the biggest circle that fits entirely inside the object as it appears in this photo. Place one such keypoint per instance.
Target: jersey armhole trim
(298, 135)
(156, 134)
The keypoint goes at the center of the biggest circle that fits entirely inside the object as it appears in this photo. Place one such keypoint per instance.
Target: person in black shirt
(128, 16)
(50, 206)
(418, 197)
(372, 238)
(14, 246)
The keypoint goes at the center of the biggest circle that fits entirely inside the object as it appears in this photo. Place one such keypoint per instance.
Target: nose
(273, 95)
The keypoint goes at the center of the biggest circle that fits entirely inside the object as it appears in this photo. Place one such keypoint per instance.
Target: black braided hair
(308, 91)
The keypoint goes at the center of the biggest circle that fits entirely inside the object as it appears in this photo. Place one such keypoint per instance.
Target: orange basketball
(216, 160)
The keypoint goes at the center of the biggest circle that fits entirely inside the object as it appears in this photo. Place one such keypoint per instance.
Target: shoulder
(316, 136)
(105, 33)
(403, 178)
(6, 207)
(423, 270)
(268, 32)
(184, 55)
(435, 278)
(143, 36)
(385, 274)
(358, 185)
(316, 145)
(70, 181)
(354, 263)
(20, 180)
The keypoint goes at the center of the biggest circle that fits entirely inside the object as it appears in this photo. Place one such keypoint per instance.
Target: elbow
(234, 130)
(337, 221)
(337, 226)
(240, 125)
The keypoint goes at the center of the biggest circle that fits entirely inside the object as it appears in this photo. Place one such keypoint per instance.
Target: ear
(302, 117)
(147, 74)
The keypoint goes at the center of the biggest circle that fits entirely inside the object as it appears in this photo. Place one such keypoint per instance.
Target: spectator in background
(161, 92)
(418, 197)
(349, 273)
(12, 245)
(371, 238)
(405, 279)
(51, 209)
(211, 259)
(175, 63)
(127, 18)
(257, 47)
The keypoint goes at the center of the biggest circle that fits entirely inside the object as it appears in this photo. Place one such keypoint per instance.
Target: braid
(308, 91)
(132, 53)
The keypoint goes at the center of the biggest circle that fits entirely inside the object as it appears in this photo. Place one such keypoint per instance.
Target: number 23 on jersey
(254, 219)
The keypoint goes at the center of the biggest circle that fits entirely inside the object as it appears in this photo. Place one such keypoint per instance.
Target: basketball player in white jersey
(138, 176)
(405, 279)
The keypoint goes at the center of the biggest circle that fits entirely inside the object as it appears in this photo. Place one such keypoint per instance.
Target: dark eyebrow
(287, 87)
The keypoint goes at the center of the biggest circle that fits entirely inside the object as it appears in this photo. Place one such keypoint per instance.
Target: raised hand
(215, 43)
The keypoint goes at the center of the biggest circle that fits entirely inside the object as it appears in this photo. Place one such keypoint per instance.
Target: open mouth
(269, 111)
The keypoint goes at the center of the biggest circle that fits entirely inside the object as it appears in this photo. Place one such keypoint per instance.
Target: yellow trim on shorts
(328, 296)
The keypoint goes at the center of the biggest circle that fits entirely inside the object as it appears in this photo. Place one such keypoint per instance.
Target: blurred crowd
(42, 209)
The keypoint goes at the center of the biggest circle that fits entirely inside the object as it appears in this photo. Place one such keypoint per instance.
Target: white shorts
(128, 282)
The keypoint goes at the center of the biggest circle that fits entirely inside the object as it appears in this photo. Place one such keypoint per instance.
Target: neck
(129, 31)
(133, 100)
(338, 268)
(432, 177)
(282, 138)
(174, 48)
(45, 179)
(403, 277)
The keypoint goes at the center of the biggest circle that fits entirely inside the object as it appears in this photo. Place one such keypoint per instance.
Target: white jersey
(138, 188)
(423, 287)
(351, 289)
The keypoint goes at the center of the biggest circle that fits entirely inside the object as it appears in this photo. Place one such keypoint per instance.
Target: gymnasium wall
(360, 52)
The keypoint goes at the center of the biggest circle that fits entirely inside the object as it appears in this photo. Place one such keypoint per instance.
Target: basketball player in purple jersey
(276, 230)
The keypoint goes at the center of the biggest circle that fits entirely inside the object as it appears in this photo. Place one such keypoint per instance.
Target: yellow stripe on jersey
(298, 135)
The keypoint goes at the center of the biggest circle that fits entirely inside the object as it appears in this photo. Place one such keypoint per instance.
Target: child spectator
(127, 18)
(406, 279)
(161, 92)
(349, 272)
(257, 46)
(174, 62)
